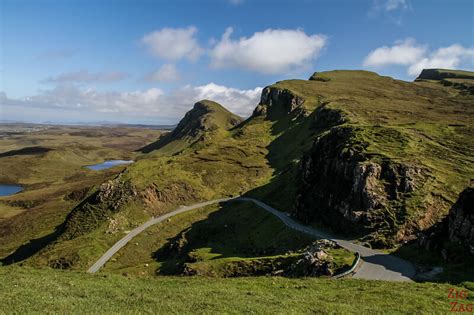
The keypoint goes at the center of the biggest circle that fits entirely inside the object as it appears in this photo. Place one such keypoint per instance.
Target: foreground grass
(51, 291)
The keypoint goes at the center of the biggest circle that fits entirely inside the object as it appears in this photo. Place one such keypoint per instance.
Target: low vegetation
(53, 291)
(234, 239)
(367, 156)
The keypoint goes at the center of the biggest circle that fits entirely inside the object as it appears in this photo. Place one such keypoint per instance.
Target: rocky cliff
(353, 191)
(275, 102)
(454, 235)
(364, 175)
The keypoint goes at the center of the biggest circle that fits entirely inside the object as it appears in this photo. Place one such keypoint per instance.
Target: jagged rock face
(346, 188)
(461, 220)
(275, 101)
(325, 117)
(457, 228)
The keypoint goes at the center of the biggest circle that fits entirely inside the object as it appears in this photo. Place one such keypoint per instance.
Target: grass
(227, 240)
(423, 124)
(55, 177)
(27, 290)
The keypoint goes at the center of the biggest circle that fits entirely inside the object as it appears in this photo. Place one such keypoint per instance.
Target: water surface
(7, 190)
(107, 164)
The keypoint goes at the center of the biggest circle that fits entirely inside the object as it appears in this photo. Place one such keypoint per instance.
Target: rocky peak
(205, 118)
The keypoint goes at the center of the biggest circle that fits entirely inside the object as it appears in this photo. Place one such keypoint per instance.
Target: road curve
(376, 265)
(122, 242)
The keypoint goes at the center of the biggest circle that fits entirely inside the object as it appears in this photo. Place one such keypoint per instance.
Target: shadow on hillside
(32, 247)
(26, 151)
(456, 271)
(235, 230)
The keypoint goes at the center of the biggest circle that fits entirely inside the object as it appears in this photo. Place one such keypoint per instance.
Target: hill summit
(205, 119)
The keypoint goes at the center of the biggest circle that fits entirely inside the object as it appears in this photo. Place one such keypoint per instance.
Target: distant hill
(205, 120)
(458, 79)
(440, 74)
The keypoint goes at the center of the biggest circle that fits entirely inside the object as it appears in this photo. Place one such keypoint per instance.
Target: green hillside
(367, 156)
(205, 122)
(54, 291)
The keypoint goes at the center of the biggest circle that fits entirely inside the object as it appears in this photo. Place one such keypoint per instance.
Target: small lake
(107, 164)
(7, 190)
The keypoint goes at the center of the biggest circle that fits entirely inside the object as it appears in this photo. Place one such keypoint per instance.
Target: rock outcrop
(454, 235)
(98, 207)
(315, 261)
(461, 220)
(275, 102)
(350, 190)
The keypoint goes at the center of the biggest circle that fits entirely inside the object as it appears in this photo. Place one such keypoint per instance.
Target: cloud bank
(417, 57)
(151, 103)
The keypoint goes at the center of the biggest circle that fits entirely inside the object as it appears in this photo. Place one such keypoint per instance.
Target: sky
(148, 62)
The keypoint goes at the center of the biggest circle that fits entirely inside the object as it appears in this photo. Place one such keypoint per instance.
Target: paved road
(376, 265)
(117, 246)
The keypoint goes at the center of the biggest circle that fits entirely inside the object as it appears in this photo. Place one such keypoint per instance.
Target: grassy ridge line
(28, 290)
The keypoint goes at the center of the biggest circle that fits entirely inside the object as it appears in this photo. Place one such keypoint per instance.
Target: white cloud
(402, 53)
(167, 73)
(145, 104)
(271, 51)
(450, 57)
(174, 43)
(87, 77)
(240, 102)
(417, 57)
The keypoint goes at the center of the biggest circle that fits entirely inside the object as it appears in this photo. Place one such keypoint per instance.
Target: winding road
(375, 265)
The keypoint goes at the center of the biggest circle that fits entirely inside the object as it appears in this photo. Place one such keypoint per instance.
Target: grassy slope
(207, 120)
(420, 123)
(211, 169)
(216, 238)
(26, 290)
(49, 177)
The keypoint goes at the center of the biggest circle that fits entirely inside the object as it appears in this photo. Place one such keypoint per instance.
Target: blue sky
(149, 61)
